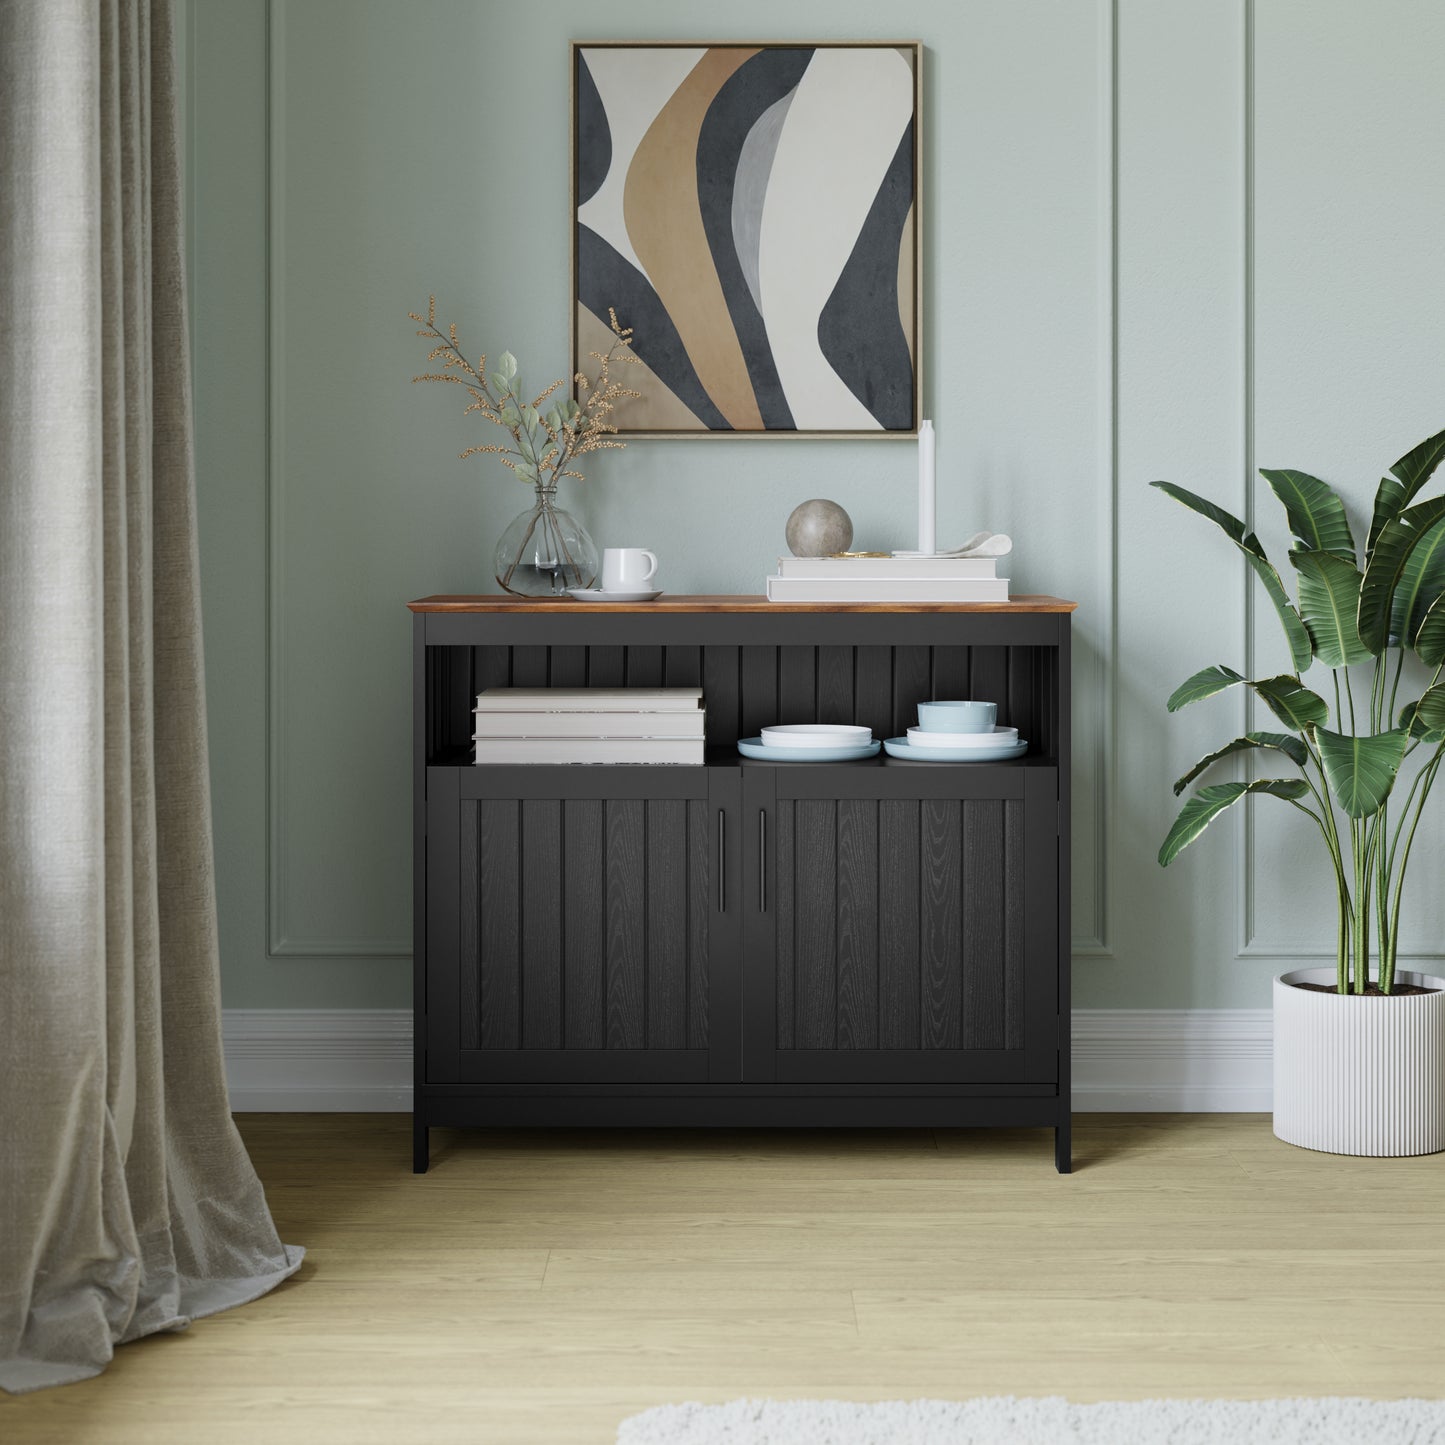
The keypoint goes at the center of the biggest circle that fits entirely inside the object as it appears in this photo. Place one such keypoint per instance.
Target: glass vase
(545, 551)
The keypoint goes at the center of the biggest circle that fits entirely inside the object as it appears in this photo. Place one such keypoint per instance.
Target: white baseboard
(1213, 1061)
(1191, 1061)
(338, 1061)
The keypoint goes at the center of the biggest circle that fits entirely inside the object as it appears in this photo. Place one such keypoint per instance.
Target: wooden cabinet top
(683, 603)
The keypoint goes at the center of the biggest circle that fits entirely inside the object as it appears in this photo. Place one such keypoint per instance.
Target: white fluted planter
(1355, 1074)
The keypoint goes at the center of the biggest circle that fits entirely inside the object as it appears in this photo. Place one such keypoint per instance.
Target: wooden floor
(537, 1288)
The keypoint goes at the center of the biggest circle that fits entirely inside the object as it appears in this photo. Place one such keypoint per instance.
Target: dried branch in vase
(545, 444)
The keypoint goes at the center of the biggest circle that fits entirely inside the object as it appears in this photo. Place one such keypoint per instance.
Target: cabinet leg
(1064, 1146)
(420, 1144)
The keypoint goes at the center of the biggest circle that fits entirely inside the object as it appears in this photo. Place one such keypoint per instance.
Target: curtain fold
(127, 1202)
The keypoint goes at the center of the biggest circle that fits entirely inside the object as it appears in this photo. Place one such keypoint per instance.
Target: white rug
(1009, 1421)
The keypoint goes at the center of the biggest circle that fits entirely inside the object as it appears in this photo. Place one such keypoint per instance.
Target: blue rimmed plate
(902, 748)
(756, 748)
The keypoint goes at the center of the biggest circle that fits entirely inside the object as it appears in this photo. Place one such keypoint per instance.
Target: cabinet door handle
(762, 861)
(722, 844)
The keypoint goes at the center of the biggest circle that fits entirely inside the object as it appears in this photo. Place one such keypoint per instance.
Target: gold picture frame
(735, 204)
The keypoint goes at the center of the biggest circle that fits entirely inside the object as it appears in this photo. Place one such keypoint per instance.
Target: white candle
(927, 495)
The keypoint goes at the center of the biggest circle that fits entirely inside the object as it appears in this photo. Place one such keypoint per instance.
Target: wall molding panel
(282, 939)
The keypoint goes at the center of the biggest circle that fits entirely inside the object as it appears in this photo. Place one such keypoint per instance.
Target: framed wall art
(752, 213)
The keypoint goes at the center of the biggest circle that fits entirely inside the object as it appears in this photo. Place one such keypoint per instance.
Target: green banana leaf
(1205, 683)
(1329, 596)
(1292, 703)
(1316, 514)
(1426, 718)
(1430, 638)
(1422, 581)
(1397, 541)
(1408, 475)
(1276, 742)
(1300, 650)
(1208, 803)
(1362, 770)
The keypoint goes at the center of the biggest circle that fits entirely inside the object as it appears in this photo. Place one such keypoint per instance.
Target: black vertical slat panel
(452, 699)
(857, 923)
(984, 951)
(873, 690)
(682, 666)
(835, 684)
(541, 847)
(950, 674)
(1013, 923)
(988, 679)
(1022, 713)
(667, 923)
(940, 928)
(797, 701)
(583, 923)
(568, 667)
(759, 703)
(912, 683)
(815, 920)
(786, 927)
(701, 828)
(491, 667)
(469, 927)
(898, 904)
(529, 666)
(720, 695)
(644, 667)
(497, 961)
(626, 923)
(605, 667)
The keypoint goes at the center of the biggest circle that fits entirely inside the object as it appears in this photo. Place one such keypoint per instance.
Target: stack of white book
(589, 725)
(887, 579)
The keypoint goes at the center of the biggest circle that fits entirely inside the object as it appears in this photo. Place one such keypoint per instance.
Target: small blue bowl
(957, 717)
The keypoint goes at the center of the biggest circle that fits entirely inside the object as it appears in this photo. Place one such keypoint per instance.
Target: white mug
(627, 569)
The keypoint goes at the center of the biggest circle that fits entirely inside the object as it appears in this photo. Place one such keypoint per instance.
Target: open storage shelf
(743, 943)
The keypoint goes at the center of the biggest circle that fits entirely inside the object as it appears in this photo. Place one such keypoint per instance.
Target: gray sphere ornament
(819, 528)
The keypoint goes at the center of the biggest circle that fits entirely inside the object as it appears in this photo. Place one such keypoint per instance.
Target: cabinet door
(579, 925)
(902, 925)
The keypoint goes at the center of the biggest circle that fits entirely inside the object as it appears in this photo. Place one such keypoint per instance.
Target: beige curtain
(127, 1202)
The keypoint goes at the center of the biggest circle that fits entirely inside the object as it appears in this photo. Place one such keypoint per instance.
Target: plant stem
(1387, 962)
(1327, 826)
(1395, 690)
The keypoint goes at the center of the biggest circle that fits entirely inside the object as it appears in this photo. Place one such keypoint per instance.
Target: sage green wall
(1160, 240)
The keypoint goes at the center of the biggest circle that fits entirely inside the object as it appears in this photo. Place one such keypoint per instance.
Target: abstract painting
(751, 211)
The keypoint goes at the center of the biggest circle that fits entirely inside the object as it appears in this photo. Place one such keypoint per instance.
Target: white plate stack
(589, 725)
(810, 743)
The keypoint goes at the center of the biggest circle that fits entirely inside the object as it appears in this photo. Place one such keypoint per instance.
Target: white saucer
(596, 594)
(999, 753)
(996, 737)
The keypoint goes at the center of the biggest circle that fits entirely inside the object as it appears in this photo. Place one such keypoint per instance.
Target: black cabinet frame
(983, 864)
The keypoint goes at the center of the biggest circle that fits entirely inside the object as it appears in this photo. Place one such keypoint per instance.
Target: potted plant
(1359, 1050)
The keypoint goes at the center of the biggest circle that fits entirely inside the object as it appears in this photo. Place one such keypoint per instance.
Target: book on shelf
(588, 750)
(852, 568)
(663, 723)
(589, 699)
(888, 589)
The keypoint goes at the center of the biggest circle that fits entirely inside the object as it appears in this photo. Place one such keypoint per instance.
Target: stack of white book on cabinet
(887, 579)
(589, 725)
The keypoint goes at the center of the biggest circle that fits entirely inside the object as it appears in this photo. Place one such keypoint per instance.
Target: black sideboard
(881, 943)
